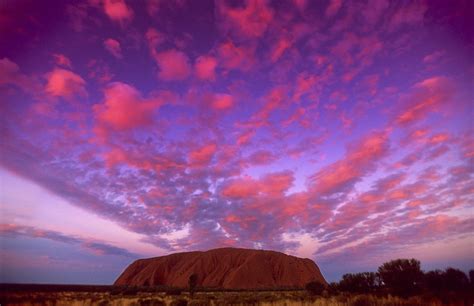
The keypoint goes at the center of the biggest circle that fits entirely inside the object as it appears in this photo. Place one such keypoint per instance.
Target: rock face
(228, 268)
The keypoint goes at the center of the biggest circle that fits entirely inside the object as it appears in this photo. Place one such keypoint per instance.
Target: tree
(471, 277)
(192, 282)
(333, 288)
(401, 276)
(455, 279)
(434, 280)
(365, 282)
(315, 287)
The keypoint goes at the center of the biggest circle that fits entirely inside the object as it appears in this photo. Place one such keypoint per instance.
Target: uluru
(227, 268)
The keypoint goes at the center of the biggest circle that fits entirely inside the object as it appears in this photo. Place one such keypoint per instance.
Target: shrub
(361, 300)
(151, 302)
(455, 279)
(401, 276)
(179, 303)
(360, 282)
(315, 288)
(173, 291)
(434, 280)
(449, 280)
(192, 282)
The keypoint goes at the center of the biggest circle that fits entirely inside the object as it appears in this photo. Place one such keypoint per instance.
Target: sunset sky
(339, 131)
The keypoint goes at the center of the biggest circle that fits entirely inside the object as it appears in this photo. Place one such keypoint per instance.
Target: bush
(434, 280)
(315, 288)
(455, 280)
(360, 282)
(179, 303)
(449, 280)
(192, 282)
(401, 276)
(173, 291)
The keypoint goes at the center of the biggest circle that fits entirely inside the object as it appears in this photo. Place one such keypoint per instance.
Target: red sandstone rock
(228, 268)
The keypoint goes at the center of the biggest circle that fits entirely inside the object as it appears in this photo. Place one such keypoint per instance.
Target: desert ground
(128, 296)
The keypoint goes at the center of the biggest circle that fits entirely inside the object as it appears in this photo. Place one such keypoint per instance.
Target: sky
(339, 131)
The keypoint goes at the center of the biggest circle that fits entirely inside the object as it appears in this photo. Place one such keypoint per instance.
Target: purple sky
(335, 130)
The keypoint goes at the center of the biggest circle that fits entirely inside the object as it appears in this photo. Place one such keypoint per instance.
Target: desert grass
(281, 298)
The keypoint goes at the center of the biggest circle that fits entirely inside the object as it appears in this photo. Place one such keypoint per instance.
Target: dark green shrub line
(401, 277)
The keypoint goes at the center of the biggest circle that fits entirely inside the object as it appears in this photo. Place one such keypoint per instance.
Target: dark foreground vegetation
(396, 283)
(404, 278)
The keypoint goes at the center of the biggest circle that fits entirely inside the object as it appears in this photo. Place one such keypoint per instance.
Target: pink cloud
(433, 57)
(113, 47)
(279, 49)
(241, 188)
(62, 60)
(222, 101)
(118, 11)
(154, 38)
(125, 108)
(65, 83)
(173, 65)
(245, 137)
(276, 183)
(305, 83)
(439, 138)
(202, 155)
(300, 4)
(427, 97)
(10, 74)
(333, 8)
(359, 160)
(410, 14)
(205, 68)
(236, 57)
(261, 157)
(251, 21)
(152, 7)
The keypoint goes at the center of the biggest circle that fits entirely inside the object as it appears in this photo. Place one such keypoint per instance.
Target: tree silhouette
(455, 279)
(434, 280)
(315, 288)
(471, 277)
(359, 282)
(192, 282)
(401, 276)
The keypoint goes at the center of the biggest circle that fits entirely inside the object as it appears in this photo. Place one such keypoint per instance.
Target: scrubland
(258, 298)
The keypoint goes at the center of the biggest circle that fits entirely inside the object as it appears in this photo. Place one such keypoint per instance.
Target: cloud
(97, 247)
(360, 159)
(154, 38)
(427, 96)
(118, 11)
(222, 101)
(241, 188)
(152, 7)
(65, 83)
(272, 184)
(113, 47)
(124, 107)
(277, 183)
(408, 14)
(333, 8)
(261, 157)
(62, 60)
(173, 65)
(249, 21)
(433, 57)
(279, 49)
(205, 68)
(10, 74)
(236, 57)
(202, 155)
